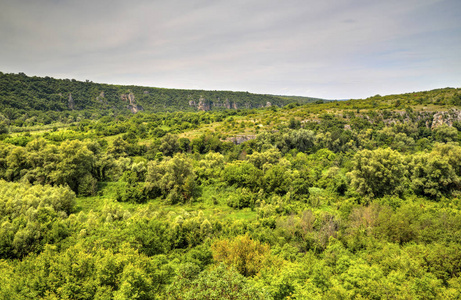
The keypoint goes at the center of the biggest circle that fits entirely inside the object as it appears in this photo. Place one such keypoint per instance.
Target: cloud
(333, 49)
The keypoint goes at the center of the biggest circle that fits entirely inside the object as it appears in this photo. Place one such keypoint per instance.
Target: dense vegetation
(33, 100)
(336, 200)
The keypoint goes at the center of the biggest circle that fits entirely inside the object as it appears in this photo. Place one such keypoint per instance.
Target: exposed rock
(128, 98)
(206, 105)
(203, 104)
(131, 98)
(71, 102)
(268, 104)
(238, 139)
(132, 106)
(218, 103)
(101, 97)
(146, 92)
(135, 108)
(446, 117)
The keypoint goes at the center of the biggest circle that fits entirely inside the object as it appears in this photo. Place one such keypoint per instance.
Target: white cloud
(333, 49)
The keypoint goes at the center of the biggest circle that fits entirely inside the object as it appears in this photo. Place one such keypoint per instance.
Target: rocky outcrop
(101, 97)
(128, 98)
(238, 139)
(131, 105)
(206, 105)
(446, 117)
(70, 102)
(218, 103)
(203, 104)
(135, 108)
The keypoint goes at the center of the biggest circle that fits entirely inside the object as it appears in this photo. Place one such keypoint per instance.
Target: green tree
(433, 176)
(377, 173)
(75, 162)
(169, 145)
(216, 283)
(445, 133)
(243, 174)
(118, 148)
(174, 178)
(242, 253)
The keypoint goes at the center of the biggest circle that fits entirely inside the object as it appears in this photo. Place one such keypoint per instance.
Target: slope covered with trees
(337, 200)
(21, 94)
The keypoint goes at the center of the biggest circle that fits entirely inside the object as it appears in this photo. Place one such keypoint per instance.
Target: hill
(20, 93)
(304, 100)
(356, 199)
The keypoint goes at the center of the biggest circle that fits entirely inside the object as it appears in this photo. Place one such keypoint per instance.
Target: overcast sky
(333, 49)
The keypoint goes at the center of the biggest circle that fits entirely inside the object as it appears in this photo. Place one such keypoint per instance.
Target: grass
(38, 129)
(107, 192)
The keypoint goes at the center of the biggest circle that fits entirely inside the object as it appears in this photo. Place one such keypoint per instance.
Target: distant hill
(51, 98)
(25, 93)
(304, 100)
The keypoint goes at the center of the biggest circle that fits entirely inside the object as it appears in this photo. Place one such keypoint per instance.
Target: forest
(356, 199)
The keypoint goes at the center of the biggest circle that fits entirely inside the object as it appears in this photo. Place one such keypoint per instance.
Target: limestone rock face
(446, 117)
(131, 105)
(218, 103)
(71, 102)
(101, 97)
(135, 108)
(238, 139)
(131, 98)
(206, 105)
(203, 104)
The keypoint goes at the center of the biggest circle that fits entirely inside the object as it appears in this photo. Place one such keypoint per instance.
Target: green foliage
(432, 175)
(31, 216)
(173, 178)
(243, 174)
(35, 94)
(218, 283)
(331, 200)
(446, 133)
(81, 274)
(169, 145)
(242, 253)
(377, 173)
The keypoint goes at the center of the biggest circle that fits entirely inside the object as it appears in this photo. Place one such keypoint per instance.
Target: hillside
(20, 93)
(304, 100)
(356, 199)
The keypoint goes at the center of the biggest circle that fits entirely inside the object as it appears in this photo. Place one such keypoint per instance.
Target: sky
(332, 49)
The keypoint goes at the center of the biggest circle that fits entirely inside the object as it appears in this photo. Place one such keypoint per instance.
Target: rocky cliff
(445, 117)
(131, 103)
(206, 105)
(70, 102)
